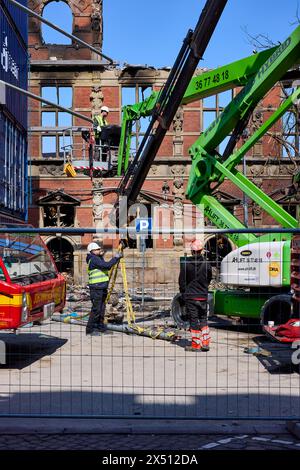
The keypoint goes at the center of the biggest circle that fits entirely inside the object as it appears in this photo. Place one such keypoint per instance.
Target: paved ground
(56, 370)
(176, 442)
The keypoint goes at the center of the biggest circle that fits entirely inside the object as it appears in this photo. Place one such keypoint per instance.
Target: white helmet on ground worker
(196, 245)
(93, 246)
(104, 108)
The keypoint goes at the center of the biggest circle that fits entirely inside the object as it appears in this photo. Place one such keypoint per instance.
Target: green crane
(260, 269)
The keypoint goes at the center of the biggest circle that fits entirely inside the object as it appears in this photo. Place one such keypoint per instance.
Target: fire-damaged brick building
(74, 77)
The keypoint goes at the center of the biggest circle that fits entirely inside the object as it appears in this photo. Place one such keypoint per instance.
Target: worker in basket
(100, 121)
(98, 280)
(194, 278)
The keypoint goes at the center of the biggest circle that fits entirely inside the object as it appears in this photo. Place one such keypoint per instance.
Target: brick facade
(93, 84)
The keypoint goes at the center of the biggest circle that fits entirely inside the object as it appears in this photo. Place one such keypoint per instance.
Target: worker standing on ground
(194, 278)
(100, 121)
(98, 274)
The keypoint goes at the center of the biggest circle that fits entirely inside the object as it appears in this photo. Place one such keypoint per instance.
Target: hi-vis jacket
(99, 121)
(98, 270)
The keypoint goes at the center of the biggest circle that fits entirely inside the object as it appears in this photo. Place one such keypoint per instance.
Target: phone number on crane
(215, 78)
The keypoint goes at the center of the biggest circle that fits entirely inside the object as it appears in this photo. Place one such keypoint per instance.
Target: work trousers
(96, 318)
(197, 313)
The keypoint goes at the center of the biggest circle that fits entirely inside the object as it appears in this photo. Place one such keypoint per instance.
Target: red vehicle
(31, 288)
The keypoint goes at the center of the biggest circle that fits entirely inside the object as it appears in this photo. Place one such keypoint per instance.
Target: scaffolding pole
(43, 100)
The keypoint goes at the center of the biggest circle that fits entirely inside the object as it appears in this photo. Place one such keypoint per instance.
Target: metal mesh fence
(140, 367)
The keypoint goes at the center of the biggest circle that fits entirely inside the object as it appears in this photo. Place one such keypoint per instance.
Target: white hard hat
(93, 246)
(104, 108)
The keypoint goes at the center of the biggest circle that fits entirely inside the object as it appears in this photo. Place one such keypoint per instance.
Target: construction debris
(257, 351)
(154, 332)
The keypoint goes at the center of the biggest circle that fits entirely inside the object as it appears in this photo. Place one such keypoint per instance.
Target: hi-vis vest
(101, 121)
(97, 275)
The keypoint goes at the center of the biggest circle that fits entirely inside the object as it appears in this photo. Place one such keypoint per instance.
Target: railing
(251, 371)
(75, 146)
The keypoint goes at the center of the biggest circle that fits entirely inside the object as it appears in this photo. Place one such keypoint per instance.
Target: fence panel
(141, 368)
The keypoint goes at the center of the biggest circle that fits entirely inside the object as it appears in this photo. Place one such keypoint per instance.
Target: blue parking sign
(143, 225)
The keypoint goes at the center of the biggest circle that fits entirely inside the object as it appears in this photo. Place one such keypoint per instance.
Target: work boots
(205, 338)
(196, 341)
(200, 340)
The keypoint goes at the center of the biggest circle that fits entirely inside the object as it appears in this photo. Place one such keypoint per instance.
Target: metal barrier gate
(52, 368)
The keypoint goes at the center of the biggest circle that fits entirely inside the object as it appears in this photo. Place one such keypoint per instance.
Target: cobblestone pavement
(176, 442)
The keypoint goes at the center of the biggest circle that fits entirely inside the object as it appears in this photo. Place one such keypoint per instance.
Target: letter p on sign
(143, 225)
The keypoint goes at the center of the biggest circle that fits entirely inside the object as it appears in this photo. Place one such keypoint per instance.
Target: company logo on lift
(246, 253)
(274, 269)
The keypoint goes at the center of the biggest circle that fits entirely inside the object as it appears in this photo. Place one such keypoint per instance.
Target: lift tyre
(277, 309)
(178, 312)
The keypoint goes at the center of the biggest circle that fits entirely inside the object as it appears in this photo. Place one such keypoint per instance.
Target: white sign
(7, 62)
(256, 264)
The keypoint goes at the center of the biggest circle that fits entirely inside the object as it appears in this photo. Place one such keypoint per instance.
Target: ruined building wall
(94, 84)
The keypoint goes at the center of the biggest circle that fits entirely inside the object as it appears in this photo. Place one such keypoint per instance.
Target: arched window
(60, 14)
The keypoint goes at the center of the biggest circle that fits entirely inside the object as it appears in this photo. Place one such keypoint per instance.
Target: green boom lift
(262, 272)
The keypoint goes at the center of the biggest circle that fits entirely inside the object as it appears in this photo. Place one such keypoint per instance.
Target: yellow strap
(129, 310)
(112, 280)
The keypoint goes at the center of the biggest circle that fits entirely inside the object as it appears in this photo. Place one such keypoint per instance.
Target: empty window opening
(130, 96)
(292, 209)
(49, 146)
(216, 249)
(212, 107)
(136, 240)
(59, 215)
(62, 252)
(291, 134)
(60, 14)
(56, 137)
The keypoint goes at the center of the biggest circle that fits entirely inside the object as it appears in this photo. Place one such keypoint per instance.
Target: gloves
(120, 255)
(98, 128)
(124, 243)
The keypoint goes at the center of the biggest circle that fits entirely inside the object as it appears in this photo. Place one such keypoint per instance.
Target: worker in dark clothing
(98, 270)
(194, 278)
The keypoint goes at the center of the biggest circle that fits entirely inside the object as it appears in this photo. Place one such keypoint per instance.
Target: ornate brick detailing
(178, 191)
(178, 132)
(96, 99)
(97, 204)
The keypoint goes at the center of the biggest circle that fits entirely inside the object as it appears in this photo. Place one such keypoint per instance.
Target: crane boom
(170, 98)
(235, 74)
(257, 74)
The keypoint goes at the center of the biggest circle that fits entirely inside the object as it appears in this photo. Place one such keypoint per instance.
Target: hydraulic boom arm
(170, 98)
(207, 165)
(258, 74)
(209, 83)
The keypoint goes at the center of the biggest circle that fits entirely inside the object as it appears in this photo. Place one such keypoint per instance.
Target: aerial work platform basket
(82, 154)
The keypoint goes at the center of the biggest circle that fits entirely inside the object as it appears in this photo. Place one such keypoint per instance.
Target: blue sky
(151, 32)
